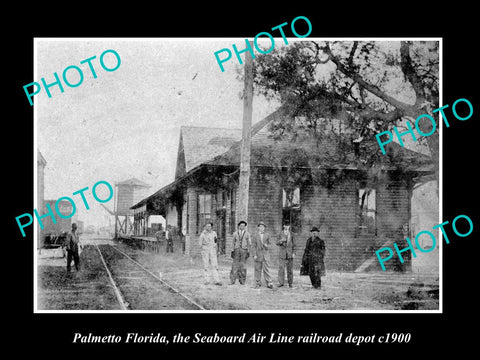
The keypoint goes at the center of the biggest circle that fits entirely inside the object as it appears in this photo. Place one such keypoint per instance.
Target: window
(204, 210)
(291, 208)
(291, 197)
(367, 211)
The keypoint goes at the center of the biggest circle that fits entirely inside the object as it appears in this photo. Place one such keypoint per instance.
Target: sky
(126, 123)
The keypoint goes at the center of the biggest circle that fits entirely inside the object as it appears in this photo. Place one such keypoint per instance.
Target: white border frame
(227, 40)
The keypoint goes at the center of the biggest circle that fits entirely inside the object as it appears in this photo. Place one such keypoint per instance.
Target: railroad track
(138, 288)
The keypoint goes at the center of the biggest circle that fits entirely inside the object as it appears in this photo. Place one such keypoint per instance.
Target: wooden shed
(127, 192)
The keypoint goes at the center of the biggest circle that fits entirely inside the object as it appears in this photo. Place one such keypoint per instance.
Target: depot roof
(203, 146)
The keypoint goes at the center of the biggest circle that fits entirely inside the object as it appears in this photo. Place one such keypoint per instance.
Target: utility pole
(115, 207)
(246, 138)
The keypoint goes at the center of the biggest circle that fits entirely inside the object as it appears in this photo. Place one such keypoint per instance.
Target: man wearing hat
(241, 244)
(169, 238)
(261, 255)
(72, 244)
(286, 253)
(312, 261)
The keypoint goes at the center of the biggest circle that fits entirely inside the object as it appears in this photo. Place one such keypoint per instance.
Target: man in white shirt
(208, 246)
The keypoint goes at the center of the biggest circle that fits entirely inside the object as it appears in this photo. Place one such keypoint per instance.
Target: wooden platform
(145, 243)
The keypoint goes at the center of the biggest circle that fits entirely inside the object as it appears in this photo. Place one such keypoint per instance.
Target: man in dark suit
(312, 262)
(241, 245)
(261, 255)
(169, 239)
(72, 244)
(286, 254)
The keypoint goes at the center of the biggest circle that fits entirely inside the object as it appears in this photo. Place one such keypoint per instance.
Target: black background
(431, 333)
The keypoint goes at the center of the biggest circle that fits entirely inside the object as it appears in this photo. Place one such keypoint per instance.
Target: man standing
(169, 239)
(72, 244)
(286, 254)
(312, 262)
(184, 233)
(241, 244)
(261, 255)
(208, 245)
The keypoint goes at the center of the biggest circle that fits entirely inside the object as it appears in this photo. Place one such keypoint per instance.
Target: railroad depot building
(359, 202)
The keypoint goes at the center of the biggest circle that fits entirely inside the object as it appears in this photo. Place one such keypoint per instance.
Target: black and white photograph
(181, 180)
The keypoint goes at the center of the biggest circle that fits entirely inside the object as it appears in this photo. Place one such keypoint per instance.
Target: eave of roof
(231, 158)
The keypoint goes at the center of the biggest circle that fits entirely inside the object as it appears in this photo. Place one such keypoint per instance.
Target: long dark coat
(313, 256)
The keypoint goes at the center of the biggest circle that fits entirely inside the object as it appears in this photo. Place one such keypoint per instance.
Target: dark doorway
(221, 230)
(180, 233)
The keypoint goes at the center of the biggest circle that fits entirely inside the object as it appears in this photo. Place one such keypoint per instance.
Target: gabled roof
(201, 144)
(133, 182)
(40, 159)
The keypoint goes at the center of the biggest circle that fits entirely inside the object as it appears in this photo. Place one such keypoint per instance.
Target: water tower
(128, 193)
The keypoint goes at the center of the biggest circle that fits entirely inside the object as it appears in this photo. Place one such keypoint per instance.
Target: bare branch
(409, 71)
(362, 93)
(375, 90)
(352, 53)
(372, 114)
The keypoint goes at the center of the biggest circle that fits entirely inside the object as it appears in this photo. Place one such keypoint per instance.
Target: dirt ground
(88, 289)
(340, 291)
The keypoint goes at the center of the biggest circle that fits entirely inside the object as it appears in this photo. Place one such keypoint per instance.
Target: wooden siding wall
(124, 199)
(334, 210)
(128, 195)
(393, 203)
(394, 211)
(265, 204)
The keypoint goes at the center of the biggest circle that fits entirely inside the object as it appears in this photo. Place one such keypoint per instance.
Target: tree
(356, 89)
